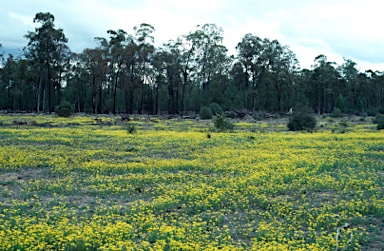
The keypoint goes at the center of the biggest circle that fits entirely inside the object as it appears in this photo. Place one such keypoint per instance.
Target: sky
(338, 29)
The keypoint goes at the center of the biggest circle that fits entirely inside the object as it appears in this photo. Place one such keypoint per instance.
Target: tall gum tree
(45, 49)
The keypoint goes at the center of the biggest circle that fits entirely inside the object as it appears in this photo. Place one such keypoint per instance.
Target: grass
(86, 185)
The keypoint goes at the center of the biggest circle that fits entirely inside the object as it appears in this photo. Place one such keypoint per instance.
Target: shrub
(215, 108)
(205, 113)
(343, 123)
(130, 128)
(372, 112)
(64, 109)
(341, 103)
(230, 114)
(222, 123)
(301, 120)
(336, 113)
(34, 123)
(380, 122)
(257, 117)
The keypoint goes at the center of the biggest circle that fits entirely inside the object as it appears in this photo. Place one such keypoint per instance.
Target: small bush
(301, 120)
(19, 123)
(336, 113)
(230, 114)
(343, 123)
(222, 123)
(34, 123)
(257, 117)
(372, 112)
(130, 128)
(380, 122)
(64, 109)
(215, 109)
(205, 113)
(362, 119)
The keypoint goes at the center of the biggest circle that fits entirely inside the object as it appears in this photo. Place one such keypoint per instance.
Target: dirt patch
(28, 174)
(10, 177)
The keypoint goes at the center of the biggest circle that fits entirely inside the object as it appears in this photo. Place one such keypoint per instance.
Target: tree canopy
(127, 73)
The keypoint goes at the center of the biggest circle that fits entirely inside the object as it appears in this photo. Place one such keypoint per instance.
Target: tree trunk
(39, 90)
(131, 102)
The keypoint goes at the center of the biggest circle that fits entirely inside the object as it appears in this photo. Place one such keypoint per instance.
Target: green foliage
(361, 104)
(230, 114)
(222, 123)
(301, 120)
(216, 79)
(372, 112)
(64, 109)
(379, 120)
(343, 123)
(205, 113)
(341, 103)
(130, 128)
(215, 108)
(336, 113)
(257, 117)
(76, 246)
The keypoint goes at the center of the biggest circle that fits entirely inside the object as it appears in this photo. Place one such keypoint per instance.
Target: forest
(126, 73)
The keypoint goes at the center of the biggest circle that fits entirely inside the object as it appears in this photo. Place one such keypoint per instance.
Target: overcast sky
(350, 29)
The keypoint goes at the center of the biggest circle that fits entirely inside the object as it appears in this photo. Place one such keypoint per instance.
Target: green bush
(130, 128)
(372, 112)
(215, 109)
(343, 123)
(64, 109)
(205, 113)
(230, 114)
(379, 120)
(301, 120)
(341, 103)
(336, 113)
(222, 123)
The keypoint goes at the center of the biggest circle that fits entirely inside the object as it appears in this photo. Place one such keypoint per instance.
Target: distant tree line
(126, 73)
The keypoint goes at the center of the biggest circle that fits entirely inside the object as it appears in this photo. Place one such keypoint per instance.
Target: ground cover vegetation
(94, 183)
(126, 73)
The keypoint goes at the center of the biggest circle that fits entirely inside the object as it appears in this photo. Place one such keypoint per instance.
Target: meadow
(151, 184)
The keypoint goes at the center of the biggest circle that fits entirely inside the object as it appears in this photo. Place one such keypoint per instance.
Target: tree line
(126, 73)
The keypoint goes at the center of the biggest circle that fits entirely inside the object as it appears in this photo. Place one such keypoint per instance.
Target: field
(152, 184)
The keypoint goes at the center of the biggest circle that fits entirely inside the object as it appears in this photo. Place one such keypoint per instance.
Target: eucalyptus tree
(117, 49)
(16, 77)
(46, 48)
(76, 86)
(206, 42)
(302, 89)
(145, 48)
(169, 63)
(95, 62)
(269, 70)
(135, 70)
(325, 81)
(250, 50)
(209, 63)
(281, 66)
(373, 89)
(350, 76)
(8, 83)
